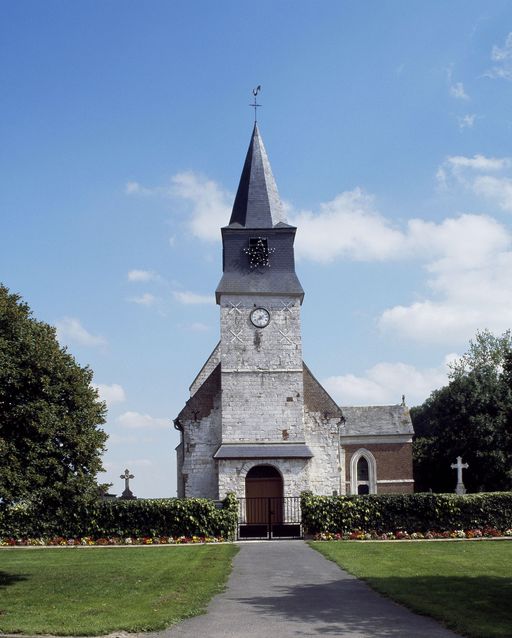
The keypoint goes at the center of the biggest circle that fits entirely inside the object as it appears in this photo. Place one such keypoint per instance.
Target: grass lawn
(466, 585)
(99, 590)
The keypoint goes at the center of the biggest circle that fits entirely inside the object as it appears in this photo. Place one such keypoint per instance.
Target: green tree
(470, 417)
(50, 440)
(486, 352)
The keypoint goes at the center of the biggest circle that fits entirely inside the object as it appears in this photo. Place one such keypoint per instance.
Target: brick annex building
(258, 423)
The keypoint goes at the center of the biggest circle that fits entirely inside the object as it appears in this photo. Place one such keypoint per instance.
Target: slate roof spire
(258, 216)
(257, 203)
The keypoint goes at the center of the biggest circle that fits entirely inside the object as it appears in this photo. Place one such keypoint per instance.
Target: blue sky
(124, 129)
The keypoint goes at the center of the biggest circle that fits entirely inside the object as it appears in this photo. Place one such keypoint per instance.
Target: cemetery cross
(459, 466)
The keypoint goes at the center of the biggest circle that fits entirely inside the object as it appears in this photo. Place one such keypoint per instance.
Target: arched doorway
(263, 480)
(264, 494)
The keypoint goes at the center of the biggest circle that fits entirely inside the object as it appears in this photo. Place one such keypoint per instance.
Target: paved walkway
(284, 588)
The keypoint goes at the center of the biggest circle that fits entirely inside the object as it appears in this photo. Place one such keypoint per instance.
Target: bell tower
(260, 298)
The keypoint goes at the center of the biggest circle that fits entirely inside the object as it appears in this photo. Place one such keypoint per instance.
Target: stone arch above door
(263, 480)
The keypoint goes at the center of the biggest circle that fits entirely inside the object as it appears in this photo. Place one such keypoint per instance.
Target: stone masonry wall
(201, 439)
(232, 473)
(262, 384)
(261, 406)
(275, 347)
(322, 438)
(322, 419)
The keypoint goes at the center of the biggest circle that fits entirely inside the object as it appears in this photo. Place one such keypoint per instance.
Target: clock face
(260, 317)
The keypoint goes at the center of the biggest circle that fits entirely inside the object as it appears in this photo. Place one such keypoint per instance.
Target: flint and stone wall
(322, 439)
(232, 473)
(201, 439)
(262, 385)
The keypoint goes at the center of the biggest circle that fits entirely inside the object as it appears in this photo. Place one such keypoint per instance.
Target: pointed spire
(257, 203)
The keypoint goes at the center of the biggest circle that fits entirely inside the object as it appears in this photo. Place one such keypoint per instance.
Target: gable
(316, 398)
(203, 374)
(202, 401)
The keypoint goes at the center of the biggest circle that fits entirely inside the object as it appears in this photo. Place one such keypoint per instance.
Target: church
(258, 423)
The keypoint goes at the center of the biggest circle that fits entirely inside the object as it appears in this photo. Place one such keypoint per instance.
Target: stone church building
(258, 423)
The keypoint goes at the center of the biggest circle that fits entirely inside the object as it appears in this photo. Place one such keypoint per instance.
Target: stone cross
(459, 466)
(127, 476)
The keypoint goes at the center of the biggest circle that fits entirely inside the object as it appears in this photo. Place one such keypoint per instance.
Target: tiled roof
(376, 419)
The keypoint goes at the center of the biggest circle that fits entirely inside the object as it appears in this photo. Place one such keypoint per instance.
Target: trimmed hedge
(411, 512)
(166, 517)
(141, 517)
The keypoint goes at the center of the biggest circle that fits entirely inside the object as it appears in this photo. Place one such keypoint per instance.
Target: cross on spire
(255, 104)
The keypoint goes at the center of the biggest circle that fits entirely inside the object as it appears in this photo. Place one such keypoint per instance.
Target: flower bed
(403, 535)
(87, 541)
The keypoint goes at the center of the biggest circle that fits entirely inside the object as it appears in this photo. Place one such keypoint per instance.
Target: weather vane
(255, 103)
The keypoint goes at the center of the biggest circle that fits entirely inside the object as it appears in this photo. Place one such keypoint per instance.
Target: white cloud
(503, 58)
(503, 53)
(136, 420)
(193, 298)
(385, 383)
(131, 187)
(466, 258)
(448, 242)
(457, 91)
(347, 226)
(478, 162)
(498, 189)
(464, 298)
(70, 330)
(142, 275)
(147, 299)
(111, 393)
(134, 188)
(467, 121)
(478, 174)
(469, 273)
(210, 205)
